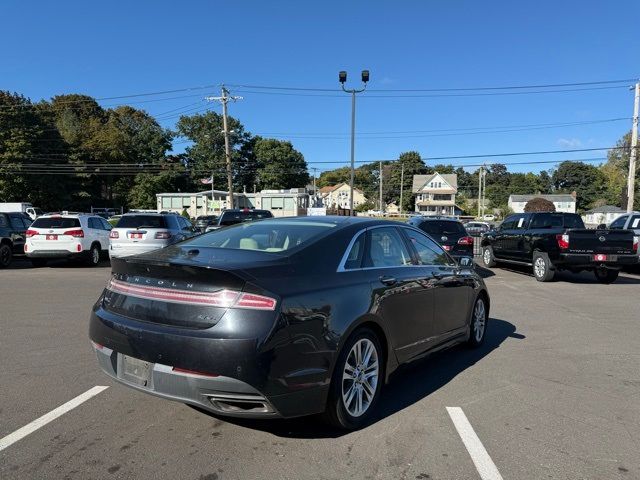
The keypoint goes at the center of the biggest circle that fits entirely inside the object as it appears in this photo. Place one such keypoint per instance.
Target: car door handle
(389, 281)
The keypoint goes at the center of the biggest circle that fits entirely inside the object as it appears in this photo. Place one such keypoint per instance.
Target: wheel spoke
(368, 390)
(348, 397)
(367, 354)
(373, 366)
(359, 401)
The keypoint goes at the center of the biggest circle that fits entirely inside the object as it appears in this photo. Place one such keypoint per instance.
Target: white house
(435, 193)
(338, 196)
(563, 202)
(605, 214)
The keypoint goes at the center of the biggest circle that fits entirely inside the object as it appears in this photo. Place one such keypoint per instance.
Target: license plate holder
(136, 371)
(51, 237)
(136, 236)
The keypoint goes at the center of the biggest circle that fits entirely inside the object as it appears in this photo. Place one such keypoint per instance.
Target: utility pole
(401, 186)
(224, 99)
(634, 152)
(479, 190)
(484, 189)
(381, 211)
(315, 193)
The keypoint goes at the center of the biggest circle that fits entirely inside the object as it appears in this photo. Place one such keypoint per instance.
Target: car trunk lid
(613, 242)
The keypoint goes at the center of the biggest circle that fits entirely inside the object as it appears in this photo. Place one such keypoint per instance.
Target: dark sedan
(203, 221)
(285, 317)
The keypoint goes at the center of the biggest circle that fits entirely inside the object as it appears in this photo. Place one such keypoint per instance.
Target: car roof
(436, 217)
(150, 214)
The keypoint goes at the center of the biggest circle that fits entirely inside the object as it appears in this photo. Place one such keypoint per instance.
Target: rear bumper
(124, 250)
(58, 254)
(587, 261)
(245, 384)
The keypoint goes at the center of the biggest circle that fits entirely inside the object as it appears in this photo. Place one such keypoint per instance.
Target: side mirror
(602, 226)
(466, 263)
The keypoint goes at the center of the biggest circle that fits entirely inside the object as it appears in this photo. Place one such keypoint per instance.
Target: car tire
(352, 400)
(542, 267)
(487, 257)
(39, 262)
(94, 255)
(479, 322)
(606, 275)
(5, 255)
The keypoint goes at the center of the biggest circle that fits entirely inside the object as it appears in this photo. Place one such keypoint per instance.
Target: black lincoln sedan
(285, 317)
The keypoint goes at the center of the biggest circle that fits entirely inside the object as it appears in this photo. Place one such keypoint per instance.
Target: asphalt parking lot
(553, 393)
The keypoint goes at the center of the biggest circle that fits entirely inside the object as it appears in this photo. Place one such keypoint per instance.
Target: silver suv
(142, 232)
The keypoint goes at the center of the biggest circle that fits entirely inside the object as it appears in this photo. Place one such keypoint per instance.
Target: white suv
(65, 235)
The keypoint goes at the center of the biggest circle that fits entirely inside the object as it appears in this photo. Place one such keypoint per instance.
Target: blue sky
(116, 48)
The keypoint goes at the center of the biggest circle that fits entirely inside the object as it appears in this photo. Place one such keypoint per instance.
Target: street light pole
(342, 77)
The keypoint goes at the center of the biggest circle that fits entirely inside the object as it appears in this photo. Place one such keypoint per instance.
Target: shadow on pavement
(569, 277)
(23, 263)
(408, 385)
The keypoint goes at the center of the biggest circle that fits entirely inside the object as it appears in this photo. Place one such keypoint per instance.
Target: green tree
(173, 177)
(586, 180)
(616, 171)
(539, 204)
(413, 165)
(279, 164)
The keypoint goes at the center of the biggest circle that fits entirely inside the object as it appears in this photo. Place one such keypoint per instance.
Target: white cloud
(569, 142)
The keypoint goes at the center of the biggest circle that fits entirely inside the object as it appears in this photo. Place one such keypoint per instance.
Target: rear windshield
(441, 226)
(231, 218)
(56, 222)
(271, 237)
(556, 220)
(142, 221)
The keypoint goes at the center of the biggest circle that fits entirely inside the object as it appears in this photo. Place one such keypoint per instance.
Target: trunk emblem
(444, 239)
(601, 238)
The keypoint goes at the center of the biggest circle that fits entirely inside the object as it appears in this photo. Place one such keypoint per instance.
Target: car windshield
(56, 222)
(142, 221)
(441, 226)
(270, 237)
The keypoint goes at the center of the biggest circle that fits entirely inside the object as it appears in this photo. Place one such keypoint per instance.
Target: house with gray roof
(604, 214)
(435, 193)
(564, 202)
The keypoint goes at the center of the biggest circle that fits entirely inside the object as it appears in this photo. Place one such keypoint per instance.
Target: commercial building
(563, 202)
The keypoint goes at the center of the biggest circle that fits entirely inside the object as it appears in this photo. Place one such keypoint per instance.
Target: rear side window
(142, 221)
(3, 221)
(56, 222)
(430, 252)
(573, 221)
(356, 254)
(232, 218)
(618, 223)
(437, 227)
(547, 220)
(635, 222)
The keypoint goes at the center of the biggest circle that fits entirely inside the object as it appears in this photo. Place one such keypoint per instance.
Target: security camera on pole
(342, 77)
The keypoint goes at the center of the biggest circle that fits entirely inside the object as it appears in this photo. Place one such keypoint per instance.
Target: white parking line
(49, 417)
(481, 459)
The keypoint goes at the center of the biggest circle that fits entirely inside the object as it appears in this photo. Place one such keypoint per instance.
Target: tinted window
(94, 223)
(618, 223)
(437, 227)
(27, 221)
(3, 221)
(142, 221)
(16, 222)
(354, 258)
(520, 222)
(547, 220)
(56, 222)
(430, 252)
(508, 223)
(105, 225)
(386, 249)
(635, 222)
(271, 237)
(573, 221)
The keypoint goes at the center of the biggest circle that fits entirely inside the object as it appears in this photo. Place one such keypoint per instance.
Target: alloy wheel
(539, 267)
(487, 257)
(360, 377)
(479, 320)
(95, 256)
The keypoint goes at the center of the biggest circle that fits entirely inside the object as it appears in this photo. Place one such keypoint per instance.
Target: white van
(22, 207)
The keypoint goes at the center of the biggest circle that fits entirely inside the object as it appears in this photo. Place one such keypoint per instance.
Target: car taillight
(163, 235)
(636, 240)
(563, 241)
(222, 298)
(75, 233)
(465, 241)
(30, 233)
(114, 234)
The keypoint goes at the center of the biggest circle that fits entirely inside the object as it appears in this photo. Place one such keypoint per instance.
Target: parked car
(143, 232)
(559, 241)
(629, 221)
(285, 317)
(203, 221)
(235, 216)
(67, 235)
(13, 229)
(448, 232)
(477, 228)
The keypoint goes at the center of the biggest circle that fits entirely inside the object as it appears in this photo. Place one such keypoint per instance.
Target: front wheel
(479, 320)
(356, 382)
(94, 256)
(606, 275)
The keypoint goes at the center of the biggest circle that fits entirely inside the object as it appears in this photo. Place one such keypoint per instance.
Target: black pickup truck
(13, 227)
(559, 241)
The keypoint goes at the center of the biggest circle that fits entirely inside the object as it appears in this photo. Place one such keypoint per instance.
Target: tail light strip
(221, 298)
